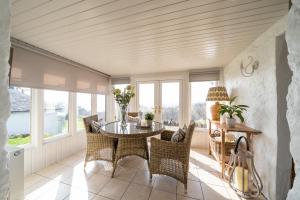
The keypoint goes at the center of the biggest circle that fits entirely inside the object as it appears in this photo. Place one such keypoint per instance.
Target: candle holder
(243, 178)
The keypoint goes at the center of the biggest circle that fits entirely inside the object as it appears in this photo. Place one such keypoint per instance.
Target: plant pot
(149, 123)
(230, 122)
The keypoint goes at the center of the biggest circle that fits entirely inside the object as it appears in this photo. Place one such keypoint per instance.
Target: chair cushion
(133, 119)
(95, 126)
(179, 135)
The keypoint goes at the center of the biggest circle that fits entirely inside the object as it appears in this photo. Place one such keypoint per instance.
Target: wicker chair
(171, 158)
(99, 147)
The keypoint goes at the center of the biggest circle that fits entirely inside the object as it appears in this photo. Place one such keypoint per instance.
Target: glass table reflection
(114, 129)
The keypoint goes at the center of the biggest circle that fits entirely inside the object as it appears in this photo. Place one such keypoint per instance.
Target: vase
(149, 123)
(123, 112)
(230, 122)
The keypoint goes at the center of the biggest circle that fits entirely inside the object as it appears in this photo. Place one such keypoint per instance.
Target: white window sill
(23, 146)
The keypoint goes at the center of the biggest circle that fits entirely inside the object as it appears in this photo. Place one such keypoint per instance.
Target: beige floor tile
(165, 183)
(214, 192)
(114, 189)
(97, 197)
(79, 194)
(137, 192)
(180, 197)
(142, 177)
(209, 177)
(161, 195)
(125, 174)
(33, 180)
(72, 161)
(69, 180)
(194, 190)
(49, 190)
(96, 182)
(52, 171)
(193, 174)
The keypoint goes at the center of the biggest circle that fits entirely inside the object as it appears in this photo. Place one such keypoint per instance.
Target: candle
(241, 179)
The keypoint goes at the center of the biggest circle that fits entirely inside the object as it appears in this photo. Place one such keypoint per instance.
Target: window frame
(105, 106)
(30, 144)
(201, 129)
(63, 135)
(76, 111)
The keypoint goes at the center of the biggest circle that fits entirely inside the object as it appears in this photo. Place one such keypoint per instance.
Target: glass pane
(170, 103)
(56, 113)
(198, 102)
(146, 97)
(18, 124)
(101, 107)
(84, 104)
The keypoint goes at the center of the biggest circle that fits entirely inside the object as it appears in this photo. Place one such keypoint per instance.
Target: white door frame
(158, 95)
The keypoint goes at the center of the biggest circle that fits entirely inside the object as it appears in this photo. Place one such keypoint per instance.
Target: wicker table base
(130, 147)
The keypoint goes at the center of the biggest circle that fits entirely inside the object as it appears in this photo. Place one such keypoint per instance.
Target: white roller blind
(120, 80)
(205, 75)
(36, 70)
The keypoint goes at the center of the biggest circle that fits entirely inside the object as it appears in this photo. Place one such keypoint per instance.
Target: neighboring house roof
(19, 101)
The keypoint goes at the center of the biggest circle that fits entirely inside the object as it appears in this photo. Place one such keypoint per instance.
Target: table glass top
(130, 129)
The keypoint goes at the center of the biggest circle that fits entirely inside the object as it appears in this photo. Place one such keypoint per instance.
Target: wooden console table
(241, 128)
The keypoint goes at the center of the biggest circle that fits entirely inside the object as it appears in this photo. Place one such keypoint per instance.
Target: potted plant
(232, 111)
(123, 98)
(149, 118)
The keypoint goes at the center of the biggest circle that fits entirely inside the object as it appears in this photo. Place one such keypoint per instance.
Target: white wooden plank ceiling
(121, 37)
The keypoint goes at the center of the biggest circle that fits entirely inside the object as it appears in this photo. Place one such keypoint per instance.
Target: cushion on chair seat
(179, 135)
(95, 127)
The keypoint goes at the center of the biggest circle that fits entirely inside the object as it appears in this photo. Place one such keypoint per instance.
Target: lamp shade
(217, 94)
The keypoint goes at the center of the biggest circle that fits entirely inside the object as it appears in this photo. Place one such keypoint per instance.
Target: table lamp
(216, 94)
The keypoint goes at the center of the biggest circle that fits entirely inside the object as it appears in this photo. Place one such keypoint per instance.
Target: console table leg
(223, 151)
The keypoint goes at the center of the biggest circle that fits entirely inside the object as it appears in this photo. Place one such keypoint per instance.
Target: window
(56, 113)
(198, 102)
(170, 106)
(18, 124)
(84, 107)
(101, 107)
(146, 97)
(117, 111)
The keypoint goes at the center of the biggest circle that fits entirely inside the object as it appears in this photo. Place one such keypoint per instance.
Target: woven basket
(216, 148)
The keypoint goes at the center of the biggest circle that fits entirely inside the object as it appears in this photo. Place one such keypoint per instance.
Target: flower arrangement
(123, 98)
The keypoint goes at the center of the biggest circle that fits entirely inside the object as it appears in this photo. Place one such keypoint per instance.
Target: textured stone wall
(260, 93)
(293, 97)
(4, 97)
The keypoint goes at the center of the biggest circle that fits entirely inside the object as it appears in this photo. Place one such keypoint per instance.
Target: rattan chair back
(87, 122)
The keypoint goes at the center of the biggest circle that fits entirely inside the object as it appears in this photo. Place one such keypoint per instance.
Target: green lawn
(19, 140)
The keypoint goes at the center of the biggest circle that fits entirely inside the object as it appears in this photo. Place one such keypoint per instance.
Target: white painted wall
(36, 158)
(293, 98)
(4, 95)
(259, 92)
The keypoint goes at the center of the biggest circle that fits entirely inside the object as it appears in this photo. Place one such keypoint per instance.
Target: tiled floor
(68, 180)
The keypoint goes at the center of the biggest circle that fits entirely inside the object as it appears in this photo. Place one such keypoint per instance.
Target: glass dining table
(132, 139)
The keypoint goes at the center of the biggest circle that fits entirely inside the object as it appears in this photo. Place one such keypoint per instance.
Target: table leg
(249, 138)
(209, 133)
(148, 157)
(223, 151)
